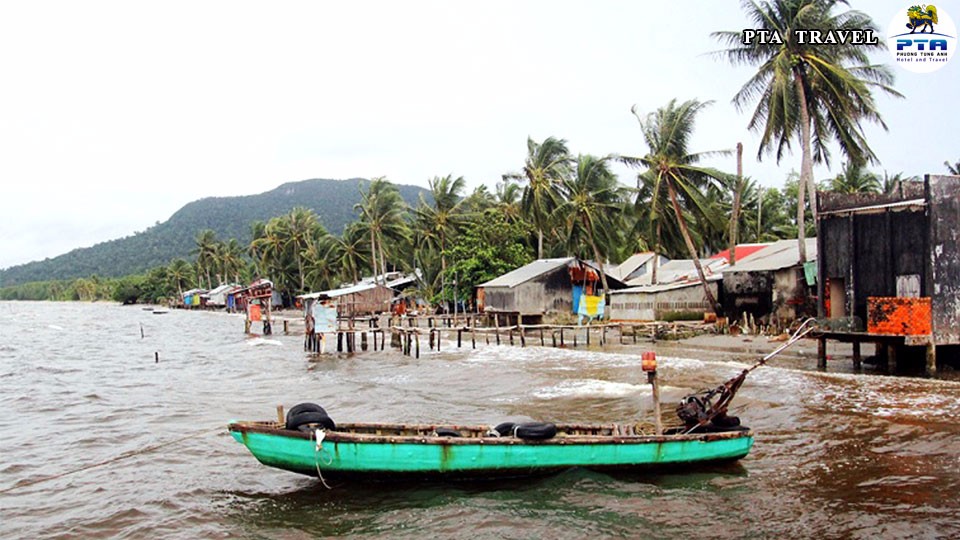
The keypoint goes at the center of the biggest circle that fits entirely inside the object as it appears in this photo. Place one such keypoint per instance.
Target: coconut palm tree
(507, 200)
(808, 92)
(205, 252)
(437, 223)
(301, 225)
(382, 215)
(547, 165)
(672, 168)
(348, 252)
(953, 168)
(854, 178)
(180, 273)
(589, 208)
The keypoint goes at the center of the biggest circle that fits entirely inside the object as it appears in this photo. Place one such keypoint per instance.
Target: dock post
(511, 335)
(634, 333)
(588, 334)
(857, 362)
(553, 337)
(439, 338)
(892, 364)
(418, 344)
(286, 326)
(541, 337)
(658, 421)
(603, 336)
(496, 326)
(432, 337)
(363, 341)
(473, 335)
(339, 341)
(575, 337)
(459, 337)
(931, 359)
(561, 336)
(523, 339)
(821, 353)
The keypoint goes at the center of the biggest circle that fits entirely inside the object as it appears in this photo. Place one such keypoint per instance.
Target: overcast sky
(113, 115)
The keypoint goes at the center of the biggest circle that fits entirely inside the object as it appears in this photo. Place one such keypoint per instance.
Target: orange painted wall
(899, 316)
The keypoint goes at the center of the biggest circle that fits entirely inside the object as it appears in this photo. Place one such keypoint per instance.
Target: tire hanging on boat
(304, 407)
(308, 413)
(535, 431)
(505, 429)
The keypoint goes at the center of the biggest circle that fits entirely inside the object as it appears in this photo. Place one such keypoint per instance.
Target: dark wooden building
(878, 252)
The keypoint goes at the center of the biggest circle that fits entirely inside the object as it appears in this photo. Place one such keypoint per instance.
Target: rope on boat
(121, 457)
(319, 435)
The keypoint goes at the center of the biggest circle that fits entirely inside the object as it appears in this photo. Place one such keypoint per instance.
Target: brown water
(836, 455)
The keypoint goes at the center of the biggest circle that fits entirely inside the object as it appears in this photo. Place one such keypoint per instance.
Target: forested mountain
(229, 217)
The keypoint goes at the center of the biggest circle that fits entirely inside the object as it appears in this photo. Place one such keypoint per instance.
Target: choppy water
(836, 455)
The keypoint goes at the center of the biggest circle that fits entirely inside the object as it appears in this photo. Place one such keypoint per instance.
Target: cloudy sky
(113, 115)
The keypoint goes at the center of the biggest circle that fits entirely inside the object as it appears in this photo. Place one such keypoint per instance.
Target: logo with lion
(922, 17)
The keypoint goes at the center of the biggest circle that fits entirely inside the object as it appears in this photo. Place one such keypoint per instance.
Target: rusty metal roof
(527, 272)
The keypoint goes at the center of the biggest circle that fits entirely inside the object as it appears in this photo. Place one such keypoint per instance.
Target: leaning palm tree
(179, 272)
(811, 92)
(547, 165)
(671, 168)
(954, 168)
(591, 200)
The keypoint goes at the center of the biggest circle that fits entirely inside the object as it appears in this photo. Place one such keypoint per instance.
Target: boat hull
(339, 456)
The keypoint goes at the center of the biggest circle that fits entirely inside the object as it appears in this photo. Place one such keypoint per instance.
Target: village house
(543, 288)
(889, 271)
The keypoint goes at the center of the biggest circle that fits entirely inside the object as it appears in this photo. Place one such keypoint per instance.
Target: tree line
(557, 203)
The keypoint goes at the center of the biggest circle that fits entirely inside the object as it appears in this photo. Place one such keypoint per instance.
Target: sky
(113, 115)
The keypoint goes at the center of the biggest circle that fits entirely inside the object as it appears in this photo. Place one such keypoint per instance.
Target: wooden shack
(771, 284)
(892, 255)
(543, 287)
(356, 300)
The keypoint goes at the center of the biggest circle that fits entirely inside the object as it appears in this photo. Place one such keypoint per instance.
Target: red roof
(743, 250)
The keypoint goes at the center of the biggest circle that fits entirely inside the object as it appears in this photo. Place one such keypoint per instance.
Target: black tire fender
(447, 432)
(535, 431)
(505, 429)
(310, 417)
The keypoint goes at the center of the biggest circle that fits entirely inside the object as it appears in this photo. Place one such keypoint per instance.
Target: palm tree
(854, 178)
(894, 182)
(953, 168)
(671, 167)
(301, 225)
(507, 200)
(347, 252)
(439, 222)
(382, 214)
(205, 251)
(813, 92)
(230, 259)
(547, 165)
(589, 208)
(179, 272)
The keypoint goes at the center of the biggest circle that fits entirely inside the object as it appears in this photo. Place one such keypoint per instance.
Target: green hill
(229, 217)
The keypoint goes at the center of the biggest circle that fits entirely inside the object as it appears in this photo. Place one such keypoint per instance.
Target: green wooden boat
(415, 450)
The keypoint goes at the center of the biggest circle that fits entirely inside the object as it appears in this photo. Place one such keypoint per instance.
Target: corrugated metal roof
(743, 251)
(781, 254)
(633, 262)
(334, 293)
(680, 270)
(661, 287)
(527, 272)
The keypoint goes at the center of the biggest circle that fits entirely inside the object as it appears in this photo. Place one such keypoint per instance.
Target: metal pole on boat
(648, 362)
